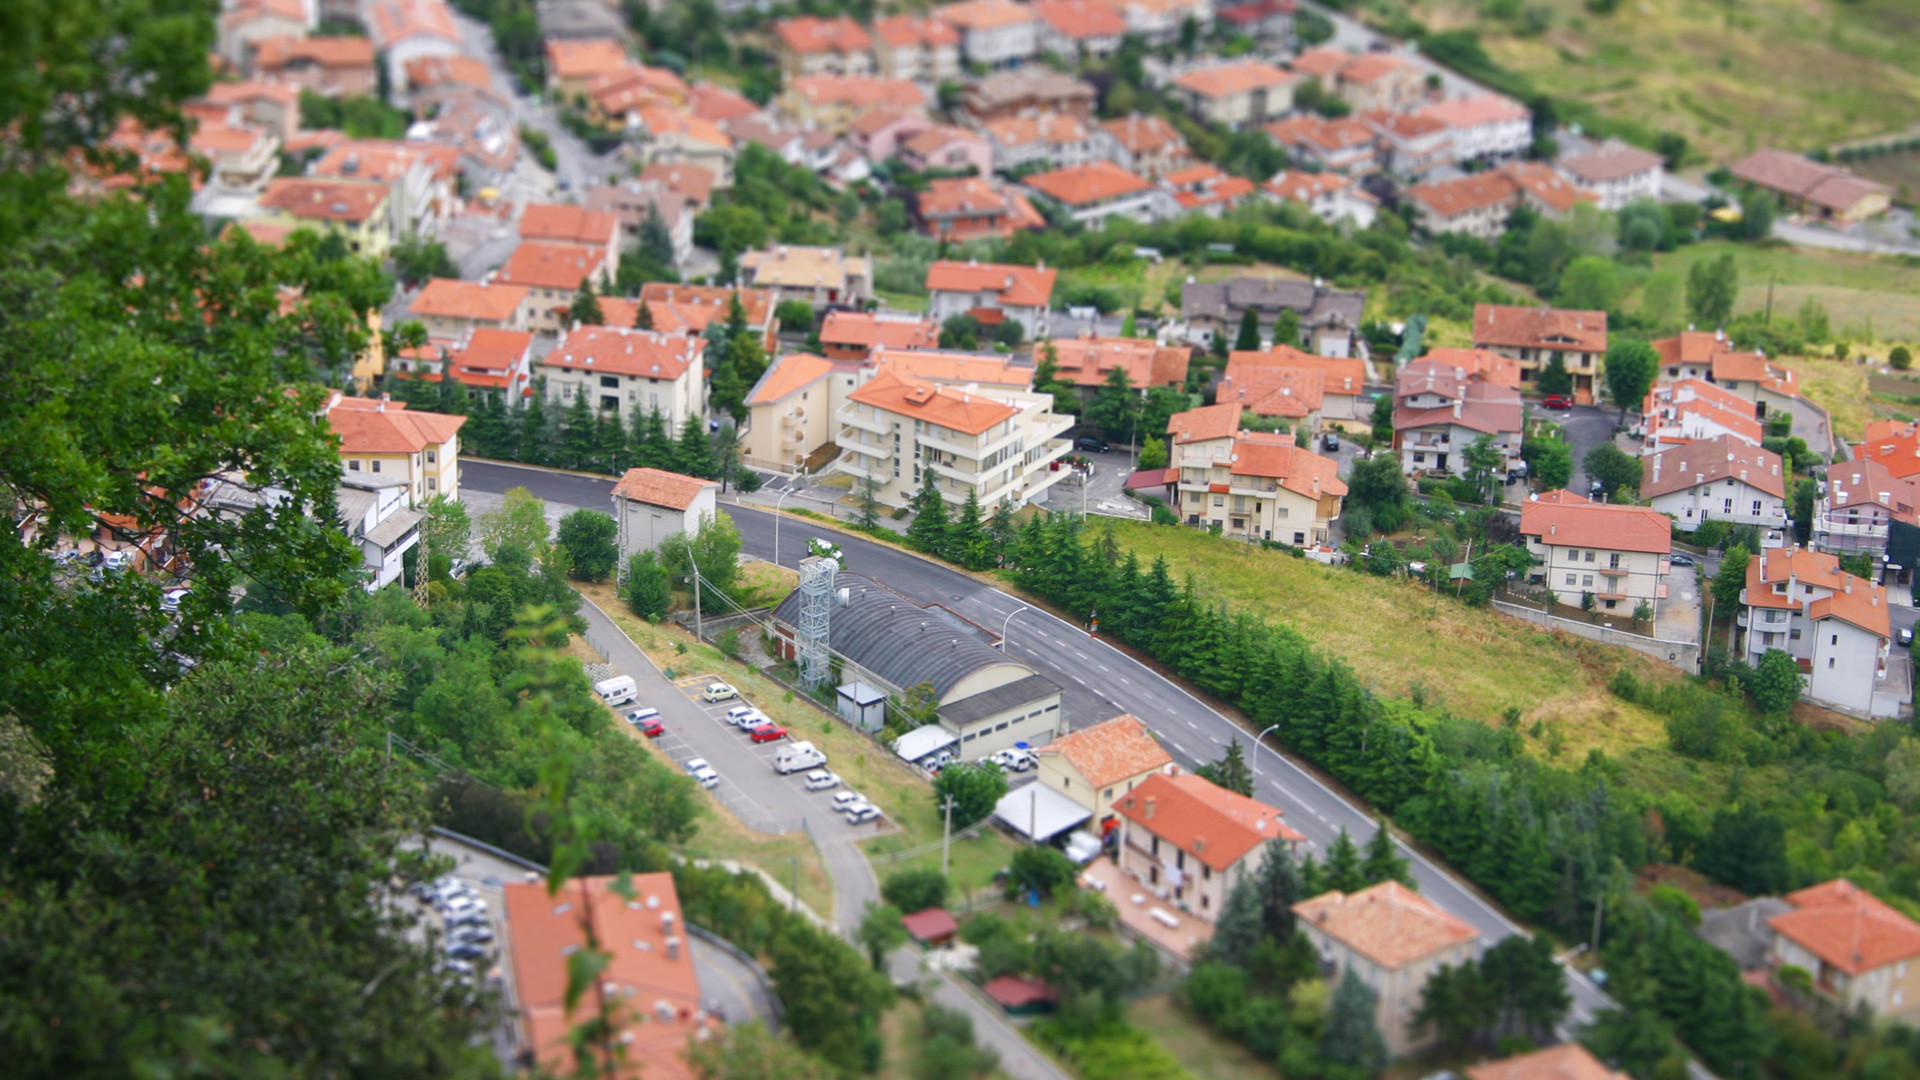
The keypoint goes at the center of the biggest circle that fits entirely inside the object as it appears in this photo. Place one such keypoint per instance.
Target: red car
(769, 733)
(1557, 401)
(652, 729)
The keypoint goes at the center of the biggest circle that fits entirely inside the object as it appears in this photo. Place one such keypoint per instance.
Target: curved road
(1101, 681)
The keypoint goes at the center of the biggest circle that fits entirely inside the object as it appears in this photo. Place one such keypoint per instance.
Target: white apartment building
(1484, 126)
(994, 33)
(996, 442)
(624, 373)
(1692, 410)
(1833, 623)
(1253, 485)
(1615, 173)
(1724, 479)
(1617, 553)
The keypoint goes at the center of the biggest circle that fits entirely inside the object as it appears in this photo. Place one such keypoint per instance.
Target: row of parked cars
(466, 924)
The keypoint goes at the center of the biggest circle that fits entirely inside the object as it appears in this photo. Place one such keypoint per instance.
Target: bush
(915, 890)
(1900, 358)
(588, 538)
(1110, 1052)
(1039, 869)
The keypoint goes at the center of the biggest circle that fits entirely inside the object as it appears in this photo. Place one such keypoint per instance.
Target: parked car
(170, 600)
(1091, 443)
(1557, 401)
(862, 814)
(739, 714)
(467, 950)
(821, 780)
(1013, 760)
(848, 798)
(719, 692)
(476, 932)
(1681, 559)
(768, 733)
(1329, 441)
(1906, 637)
(652, 727)
(640, 716)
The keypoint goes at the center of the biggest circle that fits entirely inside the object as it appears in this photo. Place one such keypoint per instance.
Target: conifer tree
(693, 453)
(1351, 1039)
(967, 542)
(642, 316)
(1343, 865)
(611, 454)
(536, 433)
(1384, 861)
(928, 532)
(653, 445)
(585, 308)
(579, 434)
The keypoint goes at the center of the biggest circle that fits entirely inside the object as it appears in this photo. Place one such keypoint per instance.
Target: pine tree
(1383, 861)
(967, 542)
(643, 316)
(1240, 929)
(1313, 880)
(585, 308)
(611, 454)
(693, 453)
(488, 432)
(928, 532)
(1249, 336)
(727, 391)
(536, 435)
(454, 399)
(1281, 887)
(1351, 1038)
(1230, 771)
(1343, 865)
(579, 434)
(653, 445)
(1002, 528)
(656, 243)
(869, 503)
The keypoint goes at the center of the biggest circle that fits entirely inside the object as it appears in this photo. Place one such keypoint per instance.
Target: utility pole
(698, 633)
(946, 837)
(1599, 907)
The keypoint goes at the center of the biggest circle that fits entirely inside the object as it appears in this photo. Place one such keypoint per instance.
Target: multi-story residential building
(631, 202)
(879, 132)
(1241, 94)
(240, 157)
(919, 50)
(1835, 624)
(573, 65)
(626, 373)
(1615, 173)
(493, 363)
(1204, 189)
(1536, 336)
(1328, 196)
(372, 512)
(1344, 401)
(1854, 515)
(1476, 204)
(1544, 191)
(1161, 22)
(361, 213)
(1393, 940)
(243, 26)
(1263, 20)
(1440, 409)
(792, 411)
(1079, 29)
(995, 443)
(665, 136)
(809, 45)
(1374, 81)
(689, 309)
(1618, 553)
(1479, 364)
(1252, 485)
(1345, 145)
(553, 274)
(565, 223)
(1696, 354)
(1411, 144)
(1148, 145)
(833, 102)
(1894, 444)
(991, 292)
(1484, 127)
(423, 178)
(1692, 410)
(1050, 139)
(403, 31)
(614, 96)
(1724, 478)
(435, 81)
(1097, 192)
(940, 146)
(994, 33)
(1087, 362)
(453, 310)
(1190, 842)
(972, 208)
(271, 105)
(1098, 765)
(386, 439)
(1804, 186)
(1861, 952)
(1029, 91)
(945, 368)
(817, 275)
(330, 66)
(852, 336)
(1213, 308)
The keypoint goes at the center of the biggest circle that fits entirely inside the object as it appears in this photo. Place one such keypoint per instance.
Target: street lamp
(776, 519)
(1256, 751)
(1009, 622)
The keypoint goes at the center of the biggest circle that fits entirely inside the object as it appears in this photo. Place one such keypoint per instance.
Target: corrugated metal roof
(974, 709)
(900, 642)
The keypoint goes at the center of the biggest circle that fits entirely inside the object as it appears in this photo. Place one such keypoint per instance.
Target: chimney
(673, 947)
(666, 922)
(1553, 529)
(1199, 844)
(1149, 813)
(1457, 403)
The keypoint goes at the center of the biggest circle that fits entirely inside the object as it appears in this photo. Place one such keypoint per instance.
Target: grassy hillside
(1729, 76)
(1402, 641)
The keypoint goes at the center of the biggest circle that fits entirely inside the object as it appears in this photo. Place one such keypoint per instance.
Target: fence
(1684, 655)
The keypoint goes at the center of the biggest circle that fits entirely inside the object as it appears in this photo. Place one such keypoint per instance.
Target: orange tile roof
(266, 233)
(1894, 445)
(1476, 109)
(369, 426)
(935, 365)
(1389, 924)
(1322, 134)
(1321, 63)
(858, 91)
(717, 103)
(1465, 194)
(620, 350)
(275, 53)
(209, 139)
(1086, 360)
(1709, 462)
(1230, 79)
(1372, 67)
(1018, 286)
(983, 14)
(693, 181)
(1548, 186)
(448, 298)
(1212, 824)
(247, 10)
(1692, 397)
(1111, 751)
(1606, 526)
(942, 406)
(324, 200)
(1403, 127)
(1085, 185)
(807, 34)
(386, 160)
(860, 329)
(756, 304)
(651, 968)
(1528, 327)
(1267, 391)
(1859, 603)
(543, 264)
(1869, 483)
(390, 21)
(1691, 347)
(1050, 129)
(1081, 19)
(787, 375)
(1847, 927)
(1304, 187)
(241, 93)
(429, 71)
(1343, 375)
(1484, 363)
(1279, 457)
(901, 30)
(584, 58)
(1205, 423)
(1143, 134)
(660, 121)
(1568, 1061)
(490, 349)
(657, 487)
(571, 224)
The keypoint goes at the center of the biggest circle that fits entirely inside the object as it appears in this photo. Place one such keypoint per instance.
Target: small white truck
(796, 756)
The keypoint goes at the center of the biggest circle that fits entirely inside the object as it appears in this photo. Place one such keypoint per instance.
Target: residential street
(575, 162)
(1110, 682)
(1585, 427)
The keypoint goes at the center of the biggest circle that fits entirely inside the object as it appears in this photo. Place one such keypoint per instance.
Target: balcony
(857, 421)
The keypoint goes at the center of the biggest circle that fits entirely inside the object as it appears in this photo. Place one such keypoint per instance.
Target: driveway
(1584, 427)
(1100, 493)
(1678, 618)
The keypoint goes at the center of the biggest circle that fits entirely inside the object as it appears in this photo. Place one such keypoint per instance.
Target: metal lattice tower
(816, 611)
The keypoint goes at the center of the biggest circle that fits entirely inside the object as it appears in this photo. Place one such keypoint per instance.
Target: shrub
(1900, 358)
(915, 890)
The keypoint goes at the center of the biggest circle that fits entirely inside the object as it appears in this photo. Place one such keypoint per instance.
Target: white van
(796, 756)
(617, 691)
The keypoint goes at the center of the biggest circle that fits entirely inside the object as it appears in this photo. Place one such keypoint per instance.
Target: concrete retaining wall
(1684, 655)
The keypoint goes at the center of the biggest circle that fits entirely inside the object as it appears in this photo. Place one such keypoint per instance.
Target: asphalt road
(1101, 682)
(1584, 427)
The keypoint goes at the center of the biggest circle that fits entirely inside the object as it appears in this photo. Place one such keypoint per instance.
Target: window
(1835, 641)
(433, 483)
(1728, 507)
(611, 382)
(1795, 634)
(1107, 794)
(1591, 554)
(1179, 859)
(1829, 663)
(1586, 581)
(1219, 500)
(1756, 506)
(353, 465)
(1613, 562)
(1155, 848)
(433, 456)
(1571, 579)
(376, 465)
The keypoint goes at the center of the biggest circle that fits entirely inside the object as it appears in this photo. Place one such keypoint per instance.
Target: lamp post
(776, 522)
(1257, 739)
(1009, 622)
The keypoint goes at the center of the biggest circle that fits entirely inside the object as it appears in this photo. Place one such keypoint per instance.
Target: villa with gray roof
(986, 700)
(1329, 318)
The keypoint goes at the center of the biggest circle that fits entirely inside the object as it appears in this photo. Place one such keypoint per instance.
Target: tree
(1343, 865)
(1456, 1006)
(1039, 869)
(947, 1049)
(1248, 339)
(1383, 860)
(1010, 333)
(1230, 771)
(1153, 453)
(1240, 929)
(1636, 1042)
(1616, 470)
(536, 433)
(748, 1051)
(1756, 214)
(1631, 365)
(1286, 327)
(915, 890)
(1527, 986)
(960, 332)
(974, 788)
(579, 435)
(966, 540)
(649, 586)
(1351, 1041)
(1712, 287)
(712, 552)
(1731, 578)
(1775, 685)
(1485, 466)
(1589, 283)
(1116, 405)
(1900, 357)
(1747, 849)
(642, 316)
(588, 538)
(1549, 461)
(1382, 419)
(519, 522)
(881, 932)
(1378, 485)
(1555, 378)
(585, 309)
(928, 531)
(869, 495)
(652, 441)
(415, 260)
(447, 532)
(693, 451)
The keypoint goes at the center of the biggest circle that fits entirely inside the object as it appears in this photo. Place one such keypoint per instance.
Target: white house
(624, 373)
(991, 292)
(1833, 623)
(374, 513)
(1095, 192)
(650, 505)
(1484, 126)
(1617, 553)
(1694, 410)
(1615, 173)
(994, 33)
(1724, 478)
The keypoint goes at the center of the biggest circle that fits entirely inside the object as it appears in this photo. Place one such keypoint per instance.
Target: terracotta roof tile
(1527, 327)
(368, 426)
(1079, 20)
(324, 200)
(657, 487)
(1230, 79)
(1465, 194)
(617, 350)
(1614, 161)
(1544, 184)
(983, 14)
(693, 181)
(1051, 129)
(866, 330)
(788, 375)
(1343, 375)
(1709, 462)
(1476, 109)
(1212, 824)
(1206, 423)
(448, 298)
(1847, 927)
(1293, 393)
(1568, 1061)
(1322, 63)
(542, 264)
(714, 103)
(858, 91)
(1483, 363)
(932, 924)
(1388, 923)
(1278, 457)
(901, 30)
(1085, 185)
(807, 34)
(935, 365)
(585, 58)
(1143, 134)
(1605, 526)
(1018, 286)
(1372, 67)
(391, 21)
(1086, 360)
(943, 406)
(274, 54)
(1111, 751)
(569, 224)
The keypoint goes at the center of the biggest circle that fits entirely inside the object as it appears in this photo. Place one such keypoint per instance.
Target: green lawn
(1400, 638)
(1204, 1052)
(1859, 291)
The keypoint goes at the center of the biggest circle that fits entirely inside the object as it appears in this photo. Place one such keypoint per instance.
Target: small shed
(933, 927)
(1020, 995)
(924, 742)
(863, 705)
